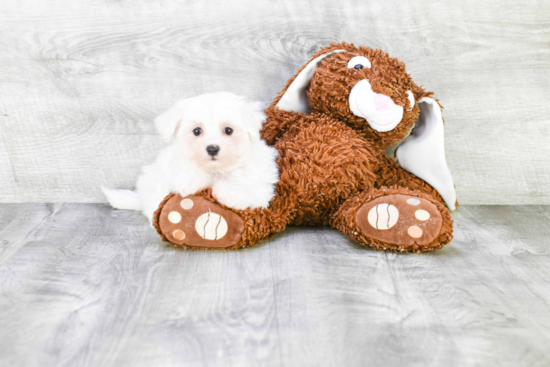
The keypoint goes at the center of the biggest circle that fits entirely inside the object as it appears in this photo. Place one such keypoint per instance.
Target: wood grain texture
(81, 82)
(84, 285)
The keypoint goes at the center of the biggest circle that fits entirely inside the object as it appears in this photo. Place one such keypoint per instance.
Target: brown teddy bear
(331, 125)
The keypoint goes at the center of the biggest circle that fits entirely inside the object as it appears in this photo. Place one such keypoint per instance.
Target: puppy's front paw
(194, 222)
(241, 197)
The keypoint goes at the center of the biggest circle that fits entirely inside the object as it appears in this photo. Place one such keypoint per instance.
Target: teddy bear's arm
(278, 122)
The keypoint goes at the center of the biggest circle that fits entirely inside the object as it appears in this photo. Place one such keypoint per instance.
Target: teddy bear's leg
(391, 174)
(199, 221)
(396, 219)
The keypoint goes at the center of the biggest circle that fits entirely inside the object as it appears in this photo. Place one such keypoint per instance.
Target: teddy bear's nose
(382, 102)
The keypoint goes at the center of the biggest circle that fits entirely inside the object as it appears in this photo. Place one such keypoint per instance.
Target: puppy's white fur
(243, 174)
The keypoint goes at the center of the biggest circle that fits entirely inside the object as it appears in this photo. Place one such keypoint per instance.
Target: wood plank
(82, 82)
(90, 286)
(19, 222)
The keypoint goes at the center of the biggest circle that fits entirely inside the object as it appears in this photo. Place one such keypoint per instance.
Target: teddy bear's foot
(400, 220)
(396, 219)
(195, 222)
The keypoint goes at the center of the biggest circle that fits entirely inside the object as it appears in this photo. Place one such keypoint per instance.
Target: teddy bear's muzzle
(379, 110)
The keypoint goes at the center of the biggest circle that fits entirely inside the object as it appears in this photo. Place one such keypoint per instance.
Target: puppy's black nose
(212, 149)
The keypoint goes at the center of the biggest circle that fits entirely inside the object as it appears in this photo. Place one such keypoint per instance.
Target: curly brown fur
(331, 161)
(391, 174)
(318, 162)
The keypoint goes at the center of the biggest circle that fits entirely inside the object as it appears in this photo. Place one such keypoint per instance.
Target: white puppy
(215, 143)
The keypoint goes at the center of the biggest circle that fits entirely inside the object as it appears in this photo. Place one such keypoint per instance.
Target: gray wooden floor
(83, 285)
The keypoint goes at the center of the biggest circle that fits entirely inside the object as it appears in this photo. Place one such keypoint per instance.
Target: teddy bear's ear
(295, 97)
(423, 152)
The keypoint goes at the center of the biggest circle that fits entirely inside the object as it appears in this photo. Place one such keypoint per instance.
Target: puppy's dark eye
(228, 130)
(358, 67)
(197, 131)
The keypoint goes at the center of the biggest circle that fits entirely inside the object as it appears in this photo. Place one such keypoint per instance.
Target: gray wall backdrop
(81, 81)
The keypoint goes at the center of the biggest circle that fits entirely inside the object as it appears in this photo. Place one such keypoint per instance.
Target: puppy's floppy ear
(167, 123)
(253, 118)
(295, 98)
(423, 152)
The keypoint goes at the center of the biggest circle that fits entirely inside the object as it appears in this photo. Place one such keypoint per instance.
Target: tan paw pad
(174, 217)
(178, 234)
(422, 214)
(414, 232)
(186, 203)
(211, 226)
(383, 216)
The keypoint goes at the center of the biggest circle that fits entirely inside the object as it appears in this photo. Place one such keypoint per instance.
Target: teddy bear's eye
(359, 62)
